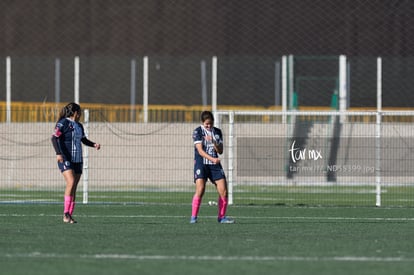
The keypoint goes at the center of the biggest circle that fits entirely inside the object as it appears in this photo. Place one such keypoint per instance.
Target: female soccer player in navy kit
(208, 143)
(67, 140)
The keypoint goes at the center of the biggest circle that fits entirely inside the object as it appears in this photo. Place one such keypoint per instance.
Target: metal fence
(254, 81)
(270, 157)
(103, 49)
(145, 70)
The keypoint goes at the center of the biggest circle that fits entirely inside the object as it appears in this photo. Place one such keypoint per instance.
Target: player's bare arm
(218, 147)
(203, 153)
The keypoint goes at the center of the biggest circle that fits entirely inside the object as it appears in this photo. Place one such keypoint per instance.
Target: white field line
(206, 257)
(400, 219)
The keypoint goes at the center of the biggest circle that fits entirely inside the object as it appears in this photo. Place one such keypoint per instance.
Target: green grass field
(335, 195)
(158, 239)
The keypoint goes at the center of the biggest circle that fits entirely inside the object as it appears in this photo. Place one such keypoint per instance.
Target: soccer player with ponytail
(67, 140)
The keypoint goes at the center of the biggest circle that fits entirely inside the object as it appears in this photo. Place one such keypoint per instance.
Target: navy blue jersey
(199, 135)
(69, 134)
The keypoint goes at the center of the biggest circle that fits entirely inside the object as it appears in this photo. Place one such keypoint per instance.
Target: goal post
(378, 134)
(85, 173)
(256, 152)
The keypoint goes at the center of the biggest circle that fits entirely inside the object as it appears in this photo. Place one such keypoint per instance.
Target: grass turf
(362, 196)
(158, 239)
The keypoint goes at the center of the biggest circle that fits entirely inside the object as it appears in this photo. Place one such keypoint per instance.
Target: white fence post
(284, 87)
(378, 134)
(231, 156)
(76, 79)
(145, 88)
(57, 80)
(214, 84)
(342, 86)
(291, 80)
(8, 89)
(133, 89)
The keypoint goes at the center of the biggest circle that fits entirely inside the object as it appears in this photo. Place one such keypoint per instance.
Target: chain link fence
(41, 43)
(311, 159)
(180, 38)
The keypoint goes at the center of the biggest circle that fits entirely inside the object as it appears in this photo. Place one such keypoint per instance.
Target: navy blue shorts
(67, 165)
(212, 172)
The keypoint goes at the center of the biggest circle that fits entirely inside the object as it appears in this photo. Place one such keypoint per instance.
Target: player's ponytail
(69, 110)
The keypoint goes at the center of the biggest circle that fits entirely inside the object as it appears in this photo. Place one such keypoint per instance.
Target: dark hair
(207, 115)
(69, 110)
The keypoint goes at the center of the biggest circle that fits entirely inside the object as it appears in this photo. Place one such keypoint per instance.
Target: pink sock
(195, 206)
(67, 202)
(71, 207)
(222, 207)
